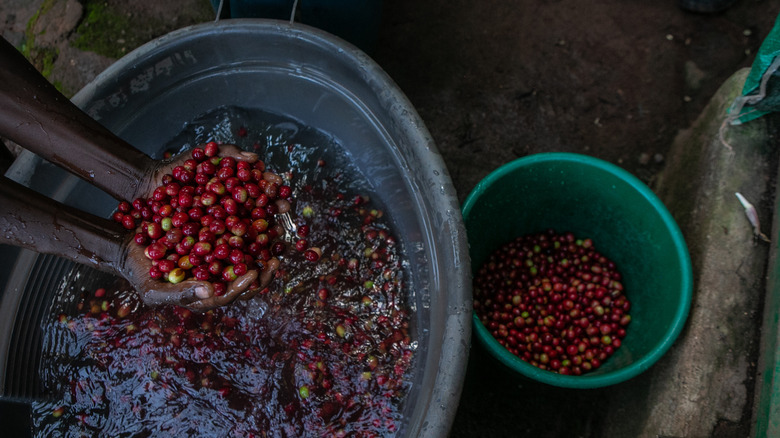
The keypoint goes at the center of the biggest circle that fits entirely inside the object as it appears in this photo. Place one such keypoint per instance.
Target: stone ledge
(704, 385)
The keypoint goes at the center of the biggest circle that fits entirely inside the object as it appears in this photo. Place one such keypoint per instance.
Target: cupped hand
(194, 294)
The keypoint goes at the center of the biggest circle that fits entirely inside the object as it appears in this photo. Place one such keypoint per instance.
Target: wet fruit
(202, 211)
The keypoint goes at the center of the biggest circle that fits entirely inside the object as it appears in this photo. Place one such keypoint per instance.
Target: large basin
(310, 76)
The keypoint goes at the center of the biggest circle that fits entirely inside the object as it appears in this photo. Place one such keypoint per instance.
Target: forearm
(38, 117)
(31, 220)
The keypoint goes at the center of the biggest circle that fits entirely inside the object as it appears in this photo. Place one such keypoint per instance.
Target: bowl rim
(681, 249)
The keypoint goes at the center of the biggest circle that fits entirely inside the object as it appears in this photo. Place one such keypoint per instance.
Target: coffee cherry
(211, 149)
(207, 210)
(553, 301)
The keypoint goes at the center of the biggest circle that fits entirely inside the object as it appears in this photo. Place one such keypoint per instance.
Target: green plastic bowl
(628, 224)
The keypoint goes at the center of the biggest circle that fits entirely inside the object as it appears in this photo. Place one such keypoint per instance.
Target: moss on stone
(29, 35)
(113, 28)
(41, 57)
(47, 58)
(105, 32)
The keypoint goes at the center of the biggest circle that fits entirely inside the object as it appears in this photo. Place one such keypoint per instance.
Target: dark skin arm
(35, 222)
(36, 116)
(39, 118)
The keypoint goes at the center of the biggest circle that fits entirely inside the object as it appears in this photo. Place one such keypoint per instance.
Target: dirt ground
(495, 80)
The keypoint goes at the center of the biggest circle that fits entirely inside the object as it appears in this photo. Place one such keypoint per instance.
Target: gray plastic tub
(315, 78)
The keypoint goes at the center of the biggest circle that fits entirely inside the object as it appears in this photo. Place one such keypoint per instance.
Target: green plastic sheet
(761, 92)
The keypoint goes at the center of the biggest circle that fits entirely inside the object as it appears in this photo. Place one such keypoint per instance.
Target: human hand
(192, 293)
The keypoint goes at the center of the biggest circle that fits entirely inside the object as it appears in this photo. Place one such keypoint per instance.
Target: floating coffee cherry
(554, 301)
